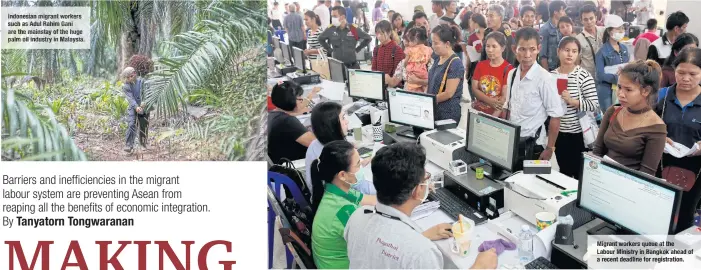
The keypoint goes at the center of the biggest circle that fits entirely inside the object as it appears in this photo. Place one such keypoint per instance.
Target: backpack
(299, 217)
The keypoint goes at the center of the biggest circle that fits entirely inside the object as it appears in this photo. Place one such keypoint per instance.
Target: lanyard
(368, 211)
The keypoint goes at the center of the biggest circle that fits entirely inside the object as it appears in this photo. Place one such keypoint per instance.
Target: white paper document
(679, 150)
(472, 53)
(332, 90)
(613, 69)
(424, 210)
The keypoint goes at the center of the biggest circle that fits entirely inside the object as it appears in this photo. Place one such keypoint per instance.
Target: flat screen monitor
(276, 42)
(495, 140)
(337, 70)
(276, 46)
(364, 84)
(631, 202)
(285, 47)
(413, 109)
(298, 56)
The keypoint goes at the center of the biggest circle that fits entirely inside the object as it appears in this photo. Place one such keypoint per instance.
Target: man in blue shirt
(550, 36)
(349, 11)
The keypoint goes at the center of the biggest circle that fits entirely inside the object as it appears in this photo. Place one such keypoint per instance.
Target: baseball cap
(613, 21)
(418, 8)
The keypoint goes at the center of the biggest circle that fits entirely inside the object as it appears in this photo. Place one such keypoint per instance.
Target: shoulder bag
(445, 75)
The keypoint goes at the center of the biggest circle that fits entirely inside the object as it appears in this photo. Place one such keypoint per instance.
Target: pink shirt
(650, 35)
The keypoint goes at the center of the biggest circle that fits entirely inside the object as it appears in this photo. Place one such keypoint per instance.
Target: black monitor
(413, 109)
(337, 70)
(298, 55)
(494, 140)
(285, 47)
(630, 201)
(367, 85)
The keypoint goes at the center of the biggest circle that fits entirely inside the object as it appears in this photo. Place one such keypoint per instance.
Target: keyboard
(541, 263)
(452, 205)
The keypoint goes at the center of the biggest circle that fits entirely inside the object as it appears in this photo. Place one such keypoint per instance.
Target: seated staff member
(287, 137)
(632, 134)
(337, 171)
(387, 55)
(402, 185)
(417, 60)
(680, 109)
(313, 22)
(579, 96)
(611, 53)
(683, 41)
(489, 79)
(446, 75)
(330, 123)
(532, 99)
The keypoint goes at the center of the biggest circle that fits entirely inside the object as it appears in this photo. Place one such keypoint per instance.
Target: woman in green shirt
(337, 170)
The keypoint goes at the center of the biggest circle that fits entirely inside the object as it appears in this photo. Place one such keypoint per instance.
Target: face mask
(336, 22)
(618, 36)
(359, 176)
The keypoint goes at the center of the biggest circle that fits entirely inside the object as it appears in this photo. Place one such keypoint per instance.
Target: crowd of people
(643, 97)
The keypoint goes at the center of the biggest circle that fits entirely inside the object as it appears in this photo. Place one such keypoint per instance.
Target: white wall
(406, 7)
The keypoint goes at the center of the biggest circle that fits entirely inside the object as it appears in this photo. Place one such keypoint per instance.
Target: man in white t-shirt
(384, 236)
(323, 12)
(437, 6)
(276, 16)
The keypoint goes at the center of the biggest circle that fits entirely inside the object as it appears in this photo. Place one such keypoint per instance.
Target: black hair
(378, 4)
(284, 95)
(416, 35)
(398, 169)
(335, 157)
(556, 5)
(465, 20)
(498, 37)
(312, 15)
(689, 56)
(479, 20)
(567, 40)
(418, 15)
(651, 24)
(679, 43)
(527, 33)
(346, 3)
(587, 9)
(383, 26)
(565, 19)
(447, 34)
(605, 37)
(340, 10)
(676, 19)
(394, 17)
(275, 3)
(325, 122)
(441, 3)
(647, 73)
(525, 9)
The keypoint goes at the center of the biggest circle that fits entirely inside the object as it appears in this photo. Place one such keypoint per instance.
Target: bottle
(525, 250)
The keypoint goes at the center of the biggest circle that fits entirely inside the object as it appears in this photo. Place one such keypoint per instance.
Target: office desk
(482, 233)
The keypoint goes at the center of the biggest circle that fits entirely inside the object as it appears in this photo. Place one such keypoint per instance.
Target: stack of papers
(425, 209)
(679, 150)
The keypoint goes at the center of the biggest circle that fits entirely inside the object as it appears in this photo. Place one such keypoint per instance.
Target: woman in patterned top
(578, 96)
(314, 24)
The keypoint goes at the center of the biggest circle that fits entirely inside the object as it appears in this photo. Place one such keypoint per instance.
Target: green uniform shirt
(342, 43)
(328, 245)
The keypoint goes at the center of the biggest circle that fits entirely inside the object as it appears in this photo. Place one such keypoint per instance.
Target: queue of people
(642, 106)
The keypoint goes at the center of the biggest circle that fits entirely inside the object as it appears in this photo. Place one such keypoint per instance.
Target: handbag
(678, 176)
(321, 65)
(587, 121)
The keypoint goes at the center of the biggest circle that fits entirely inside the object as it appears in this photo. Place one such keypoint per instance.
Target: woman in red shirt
(489, 79)
(479, 24)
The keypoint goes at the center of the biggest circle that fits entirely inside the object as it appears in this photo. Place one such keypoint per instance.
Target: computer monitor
(494, 140)
(285, 47)
(276, 46)
(298, 56)
(336, 70)
(631, 202)
(413, 109)
(364, 84)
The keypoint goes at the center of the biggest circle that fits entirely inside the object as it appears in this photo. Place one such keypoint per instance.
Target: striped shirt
(579, 83)
(313, 42)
